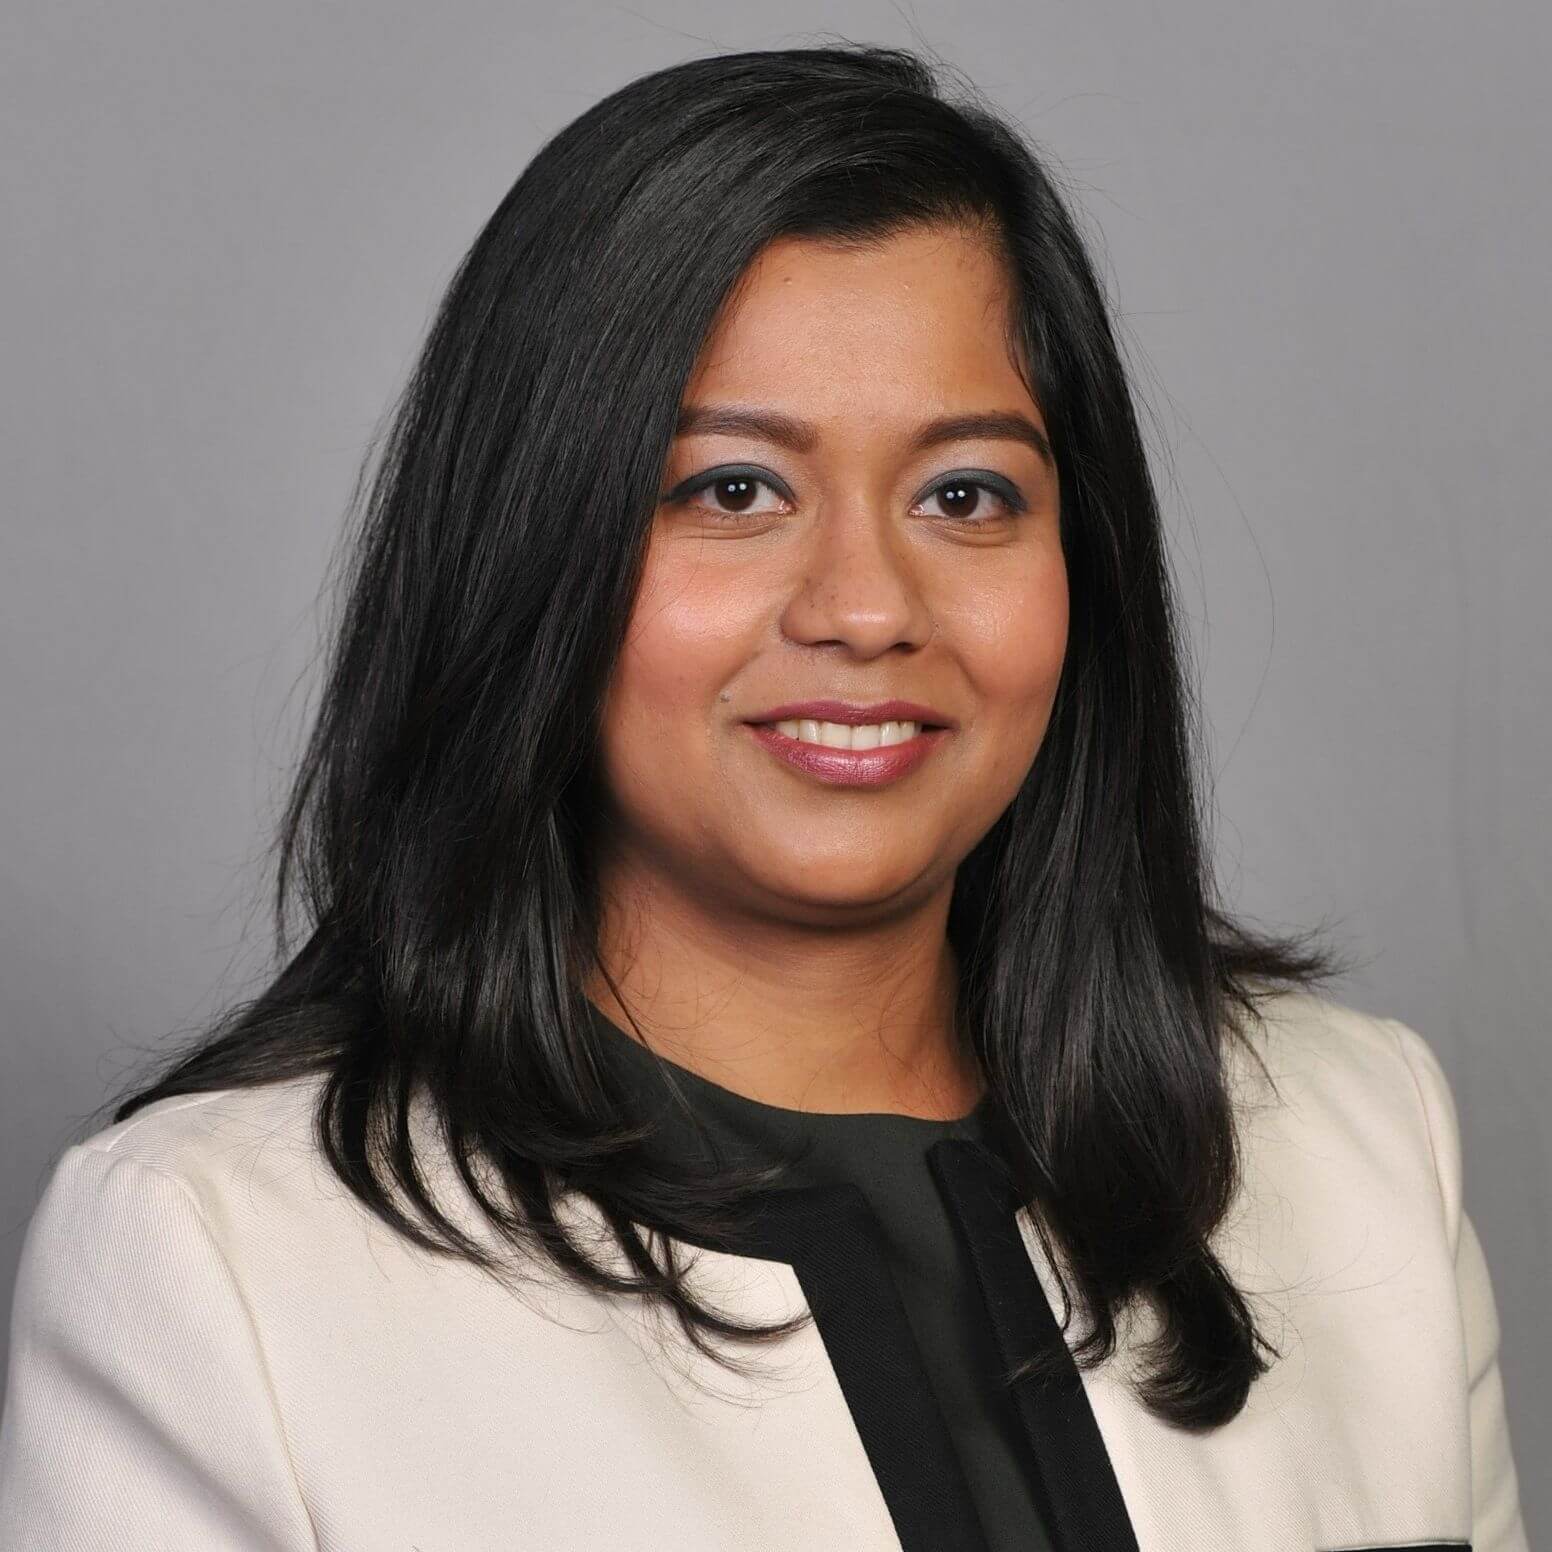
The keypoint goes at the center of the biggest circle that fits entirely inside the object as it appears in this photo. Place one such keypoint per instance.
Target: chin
(837, 892)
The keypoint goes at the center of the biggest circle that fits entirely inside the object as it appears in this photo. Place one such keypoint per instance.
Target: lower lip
(849, 767)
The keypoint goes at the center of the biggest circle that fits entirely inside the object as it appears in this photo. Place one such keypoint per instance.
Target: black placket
(1079, 1496)
(830, 1237)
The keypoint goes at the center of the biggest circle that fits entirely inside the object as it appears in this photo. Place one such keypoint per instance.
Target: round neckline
(787, 1115)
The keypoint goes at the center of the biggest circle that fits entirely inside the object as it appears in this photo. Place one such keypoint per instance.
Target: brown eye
(735, 493)
(727, 493)
(960, 499)
(973, 500)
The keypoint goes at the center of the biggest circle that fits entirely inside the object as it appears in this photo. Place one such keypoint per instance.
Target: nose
(858, 583)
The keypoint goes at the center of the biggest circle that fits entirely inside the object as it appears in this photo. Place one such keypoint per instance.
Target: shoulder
(225, 1151)
(235, 1179)
(1348, 1136)
(135, 1360)
(240, 1177)
(249, 1163)
(1350, 1228)
(1366, 1087)
(185, 1228)
(175, 1194)
(185, 1131)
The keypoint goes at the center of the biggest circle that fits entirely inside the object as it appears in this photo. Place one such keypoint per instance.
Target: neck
(808, 1017)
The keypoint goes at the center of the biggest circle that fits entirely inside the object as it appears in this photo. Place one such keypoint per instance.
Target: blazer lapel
(829, 1235)
(1079, 1495)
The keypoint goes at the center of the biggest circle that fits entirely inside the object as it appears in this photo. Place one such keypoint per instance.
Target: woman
(752, 874)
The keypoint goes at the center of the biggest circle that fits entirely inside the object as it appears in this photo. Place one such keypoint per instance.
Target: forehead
(921, 317)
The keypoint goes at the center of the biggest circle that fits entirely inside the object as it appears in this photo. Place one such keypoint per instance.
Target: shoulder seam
(187, 1192)
(95, 1144)
(1398, 1032)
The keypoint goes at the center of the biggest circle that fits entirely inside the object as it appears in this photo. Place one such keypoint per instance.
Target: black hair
(437, 840)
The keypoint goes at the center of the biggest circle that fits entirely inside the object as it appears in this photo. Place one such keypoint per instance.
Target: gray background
(1327, 227)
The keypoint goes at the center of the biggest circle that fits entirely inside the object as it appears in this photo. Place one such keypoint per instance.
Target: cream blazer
(216, 1349)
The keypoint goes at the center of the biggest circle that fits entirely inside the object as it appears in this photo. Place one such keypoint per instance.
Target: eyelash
(993, 485)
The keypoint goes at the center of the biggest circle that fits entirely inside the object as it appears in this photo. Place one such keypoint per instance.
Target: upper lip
(853, 714)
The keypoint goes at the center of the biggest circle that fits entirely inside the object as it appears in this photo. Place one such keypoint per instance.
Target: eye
(734, 492)
(730, 492)
(962, 497)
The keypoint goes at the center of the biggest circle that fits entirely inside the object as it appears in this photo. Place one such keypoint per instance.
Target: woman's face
(825, 534)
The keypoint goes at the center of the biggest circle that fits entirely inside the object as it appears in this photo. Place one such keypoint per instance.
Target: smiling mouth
(847, 736)
(857, 763)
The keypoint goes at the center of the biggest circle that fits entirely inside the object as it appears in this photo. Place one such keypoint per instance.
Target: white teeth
(841, 735)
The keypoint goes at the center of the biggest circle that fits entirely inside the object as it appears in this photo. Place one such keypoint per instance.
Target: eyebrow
(800, 436)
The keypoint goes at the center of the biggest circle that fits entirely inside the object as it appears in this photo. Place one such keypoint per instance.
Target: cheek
(1013, 640)
(684, 643)
(1011, 643)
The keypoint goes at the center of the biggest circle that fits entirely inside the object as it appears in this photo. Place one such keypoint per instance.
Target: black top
(885, 1156)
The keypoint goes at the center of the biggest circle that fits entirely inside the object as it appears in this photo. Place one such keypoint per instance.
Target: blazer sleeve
(1496, 1521)
(138, 1412)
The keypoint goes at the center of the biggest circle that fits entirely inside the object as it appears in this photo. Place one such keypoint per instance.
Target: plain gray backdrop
(1326, 228)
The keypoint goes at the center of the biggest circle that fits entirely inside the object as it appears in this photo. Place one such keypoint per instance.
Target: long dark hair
(437, 837)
